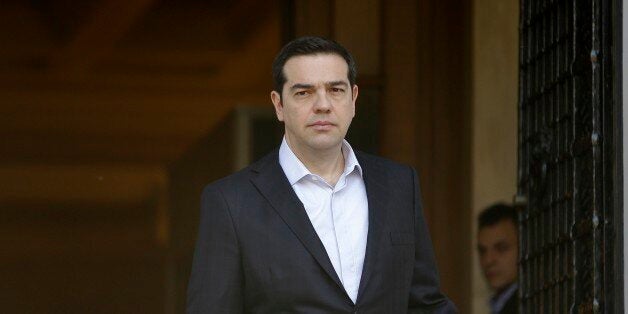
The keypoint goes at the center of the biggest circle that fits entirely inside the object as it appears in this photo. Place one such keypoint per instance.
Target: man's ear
(354, 96)
(275, 97)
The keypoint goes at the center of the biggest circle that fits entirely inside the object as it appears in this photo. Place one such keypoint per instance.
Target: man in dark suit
(315, 227)
(498, 251)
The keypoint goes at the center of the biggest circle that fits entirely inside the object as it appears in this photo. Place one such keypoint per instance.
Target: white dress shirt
(338, 213)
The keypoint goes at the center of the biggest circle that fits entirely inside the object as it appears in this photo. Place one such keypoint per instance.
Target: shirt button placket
(338, 246)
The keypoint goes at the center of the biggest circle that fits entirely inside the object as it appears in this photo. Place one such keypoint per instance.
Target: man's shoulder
(371, 161)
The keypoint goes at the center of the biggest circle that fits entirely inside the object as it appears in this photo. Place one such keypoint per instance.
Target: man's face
(498, 250)
(317, 103)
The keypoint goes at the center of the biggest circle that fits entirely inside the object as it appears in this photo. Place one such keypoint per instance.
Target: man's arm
(215, 284)
(425, 294)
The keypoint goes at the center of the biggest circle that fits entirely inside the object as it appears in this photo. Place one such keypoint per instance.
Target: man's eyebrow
(336, 83)
(310, 86)
(301, 86)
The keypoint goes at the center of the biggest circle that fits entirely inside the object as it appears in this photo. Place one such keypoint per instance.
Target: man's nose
(489, 258)
(323, 103)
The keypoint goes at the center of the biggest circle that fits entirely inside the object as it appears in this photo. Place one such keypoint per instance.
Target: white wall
(495, 44)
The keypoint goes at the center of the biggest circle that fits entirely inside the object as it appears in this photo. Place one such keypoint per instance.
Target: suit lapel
(377, 196)
(272, 183)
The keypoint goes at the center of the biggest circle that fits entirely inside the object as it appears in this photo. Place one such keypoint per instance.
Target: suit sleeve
(425, 294)
(215, 284)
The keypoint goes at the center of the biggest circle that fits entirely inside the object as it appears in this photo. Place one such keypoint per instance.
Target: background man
(498, 251)
(315, 227)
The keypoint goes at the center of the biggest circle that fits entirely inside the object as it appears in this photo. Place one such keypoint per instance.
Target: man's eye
(337, 90)
(300, 93)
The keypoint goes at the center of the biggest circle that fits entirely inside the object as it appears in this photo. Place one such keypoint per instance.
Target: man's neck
(328, 164)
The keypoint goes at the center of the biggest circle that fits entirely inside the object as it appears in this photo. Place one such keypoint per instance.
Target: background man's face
(498, 250)
(317, 103)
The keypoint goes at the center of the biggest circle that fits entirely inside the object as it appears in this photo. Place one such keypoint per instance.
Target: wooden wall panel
(426, 120)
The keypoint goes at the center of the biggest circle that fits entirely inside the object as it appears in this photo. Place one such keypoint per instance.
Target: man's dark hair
(310, 46)
(496, 213)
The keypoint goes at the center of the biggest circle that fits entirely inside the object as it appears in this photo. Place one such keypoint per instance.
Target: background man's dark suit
(512, 305)
(258, 252)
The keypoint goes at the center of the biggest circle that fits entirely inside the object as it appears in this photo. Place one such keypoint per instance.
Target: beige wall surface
(494, 125)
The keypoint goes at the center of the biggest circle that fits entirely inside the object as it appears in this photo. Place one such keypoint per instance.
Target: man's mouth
(322, 125)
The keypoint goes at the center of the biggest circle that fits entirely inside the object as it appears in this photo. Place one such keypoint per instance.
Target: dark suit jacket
(512, 305)
(257, 251)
